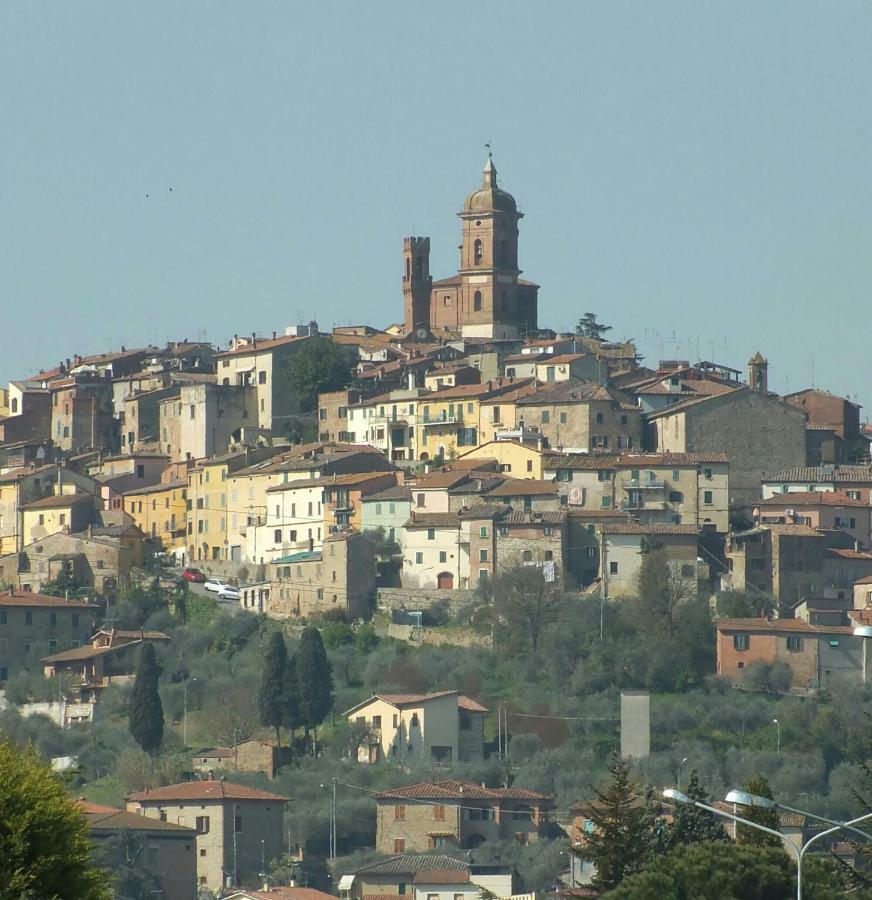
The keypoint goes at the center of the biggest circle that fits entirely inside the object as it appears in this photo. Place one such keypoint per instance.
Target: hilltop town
(409, 592)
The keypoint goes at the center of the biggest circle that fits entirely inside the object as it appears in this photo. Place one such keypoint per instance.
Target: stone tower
(417, 284)
(758, 373)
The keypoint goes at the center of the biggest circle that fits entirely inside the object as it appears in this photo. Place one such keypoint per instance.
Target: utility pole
(333, 822)
(235, 870)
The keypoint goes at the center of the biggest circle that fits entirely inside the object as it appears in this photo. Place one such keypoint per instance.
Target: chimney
(274, 335)
(60, 483)
(253, 339)
(411, 380)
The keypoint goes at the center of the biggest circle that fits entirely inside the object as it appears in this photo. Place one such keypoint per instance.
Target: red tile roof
(517, 487)
(13, 597)
(812, 498)
(776, 626)
(205, 790)
(261, 345)
(637, 528)
(457, 790)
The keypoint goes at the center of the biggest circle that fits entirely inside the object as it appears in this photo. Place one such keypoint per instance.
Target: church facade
(487, 298)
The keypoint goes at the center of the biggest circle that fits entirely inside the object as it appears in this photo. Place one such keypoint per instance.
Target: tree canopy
(145, 716)
(44, 845)
(319, 365)
(271, 698)
(314, 679)
(589, 327)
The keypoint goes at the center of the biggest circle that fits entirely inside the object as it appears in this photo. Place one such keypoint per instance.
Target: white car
(228, 592)
(216, 585)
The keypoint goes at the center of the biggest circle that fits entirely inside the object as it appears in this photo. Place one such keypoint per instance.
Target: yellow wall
(458, 414)
(208, 516)
(511, 453)
(9, 541)
(159, 512)
(53, 520)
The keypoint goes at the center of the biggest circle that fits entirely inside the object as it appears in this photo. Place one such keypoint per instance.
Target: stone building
(487, 298)
(581, 416)
(33, 625)
(236, 826)
(333, 414)
(760, 435)
(339, 576)
(463, 814)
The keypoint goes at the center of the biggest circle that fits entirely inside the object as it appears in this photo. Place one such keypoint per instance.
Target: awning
(345, 882)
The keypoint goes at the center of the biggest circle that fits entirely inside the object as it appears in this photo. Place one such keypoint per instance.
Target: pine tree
(314, 680)
(692, 825)
(291, 696)
(619, 842)
(272, 685)
(761, 815)
(145, 716)
(589, 327)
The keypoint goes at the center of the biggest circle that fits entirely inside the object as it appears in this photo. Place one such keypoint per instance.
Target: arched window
(477, 252)
(408, 268)
(476, 301)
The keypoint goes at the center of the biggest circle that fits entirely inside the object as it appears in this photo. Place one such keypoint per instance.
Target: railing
(643, 505)
(653, 484)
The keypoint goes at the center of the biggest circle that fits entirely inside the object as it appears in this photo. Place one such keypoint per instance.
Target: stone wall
(458, 637)
(390, 599)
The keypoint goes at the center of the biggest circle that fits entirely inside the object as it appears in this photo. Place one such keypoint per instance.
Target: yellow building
(160, 512)
(449, 421)
(520, 460)
(207, 525)
(59, 512)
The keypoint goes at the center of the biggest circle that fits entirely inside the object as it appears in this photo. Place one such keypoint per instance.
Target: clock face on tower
(421, 333)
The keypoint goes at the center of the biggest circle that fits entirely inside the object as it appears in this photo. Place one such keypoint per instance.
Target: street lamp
(185, 716)
(332, 819)
(799, 852)
(683, 761)
(777, 725)
(743, 798)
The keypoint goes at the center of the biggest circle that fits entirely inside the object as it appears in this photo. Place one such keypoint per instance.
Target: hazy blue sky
(696, 173)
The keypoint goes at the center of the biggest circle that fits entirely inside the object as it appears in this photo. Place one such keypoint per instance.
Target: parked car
(193, 575)
(216, 585)
(228, 592)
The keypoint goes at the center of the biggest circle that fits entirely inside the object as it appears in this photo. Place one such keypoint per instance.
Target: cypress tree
(272, 684)
(291, 697)
(314, 679)
(145, 716)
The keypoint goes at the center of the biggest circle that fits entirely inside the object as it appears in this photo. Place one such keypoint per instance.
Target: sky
(696, 174)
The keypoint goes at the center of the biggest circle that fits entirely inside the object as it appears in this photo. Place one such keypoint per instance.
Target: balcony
(640, 504)
(444, 419)
(650, 484)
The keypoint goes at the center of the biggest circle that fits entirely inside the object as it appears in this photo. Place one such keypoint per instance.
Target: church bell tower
(417, 284)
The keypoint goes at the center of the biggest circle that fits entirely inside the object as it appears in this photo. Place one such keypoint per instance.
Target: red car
(194, 575)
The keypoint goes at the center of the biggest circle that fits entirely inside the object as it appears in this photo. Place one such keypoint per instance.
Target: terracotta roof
(120, 819)
(58, 501)
(215, 753)
(793, 530)
(23, 472)
(563, 358)
(263, 344)
(867, 579)
(670, 460)
(637, 528)
(355, 479)
(457, 790)
(400, 700)
(572, 391)
(774, 626)
(280, 892)
(812, 474)
(409, 864)
(812, 498)
(519, 487)
(526, 517)
(85, 806)
(845, 553)
(476, 390)
(440, 479)
(484, 511)
(397, 492)
(432, 520)
(13, 597)
(582, 461)
(470, 705)
(205, 790)
(157, 488)
(88, 652)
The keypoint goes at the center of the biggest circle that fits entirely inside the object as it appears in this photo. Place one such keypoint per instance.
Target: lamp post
(777, 725)
(185, 715)
(332, 819)
(683, 761)
(743, 798)
(799, 852)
